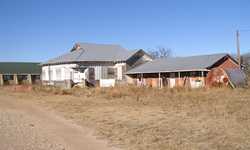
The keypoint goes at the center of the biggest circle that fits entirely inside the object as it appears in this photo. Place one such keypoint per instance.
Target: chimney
(76, 47)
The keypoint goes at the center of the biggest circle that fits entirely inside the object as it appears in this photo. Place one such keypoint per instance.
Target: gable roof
(201, 62)
(20, 68)
(93, 52)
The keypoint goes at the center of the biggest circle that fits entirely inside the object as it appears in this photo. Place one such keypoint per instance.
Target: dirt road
(26, 126)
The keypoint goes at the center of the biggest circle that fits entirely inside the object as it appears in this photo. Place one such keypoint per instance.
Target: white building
(92, 65)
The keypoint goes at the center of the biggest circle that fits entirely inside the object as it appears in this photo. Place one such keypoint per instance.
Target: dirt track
(24, 125)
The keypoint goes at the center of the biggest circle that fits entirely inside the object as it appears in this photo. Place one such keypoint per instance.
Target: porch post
(203, 79)
(159, 84)
(29, 78)
(142, 82)
(15, 79)
(179, 78)
(1, 79)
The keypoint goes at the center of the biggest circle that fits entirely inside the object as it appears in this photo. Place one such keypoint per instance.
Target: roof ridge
(202, 55)
(103, 44)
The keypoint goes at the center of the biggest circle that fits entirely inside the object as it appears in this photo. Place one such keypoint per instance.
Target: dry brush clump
(148, 118)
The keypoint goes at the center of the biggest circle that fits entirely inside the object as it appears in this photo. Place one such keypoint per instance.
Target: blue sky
(36, 30)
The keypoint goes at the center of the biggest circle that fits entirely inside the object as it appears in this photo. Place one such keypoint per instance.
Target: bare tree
(160, 52)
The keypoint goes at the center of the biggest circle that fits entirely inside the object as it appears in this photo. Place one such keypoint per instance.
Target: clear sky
(36, 30)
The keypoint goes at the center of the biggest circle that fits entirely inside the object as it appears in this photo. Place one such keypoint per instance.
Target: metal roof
(236, 77)
(191, 63)
(93, 52)
(20, 68)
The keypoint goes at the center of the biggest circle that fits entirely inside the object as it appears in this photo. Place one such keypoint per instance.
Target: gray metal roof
(191, 63)
(236, 77)
(94, 52)
(20, 68)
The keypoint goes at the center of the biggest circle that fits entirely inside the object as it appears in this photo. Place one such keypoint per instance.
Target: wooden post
(29, 79)
(203, 80)
(179, 78)
(1, 80)
(142, 82)
(238, 47)
(159, 75)
(15, 79)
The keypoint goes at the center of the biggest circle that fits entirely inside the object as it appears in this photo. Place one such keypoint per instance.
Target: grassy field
(155, 119)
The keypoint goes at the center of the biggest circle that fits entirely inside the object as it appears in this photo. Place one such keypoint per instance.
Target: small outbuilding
(14, 73)
(192, 72)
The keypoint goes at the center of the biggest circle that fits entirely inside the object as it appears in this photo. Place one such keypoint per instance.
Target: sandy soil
(25, 126)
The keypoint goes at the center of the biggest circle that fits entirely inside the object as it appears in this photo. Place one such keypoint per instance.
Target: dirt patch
(17, 131)
(25, 125)
(146, 119)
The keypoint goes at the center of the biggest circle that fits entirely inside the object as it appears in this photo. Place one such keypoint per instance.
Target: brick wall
(217, 76)
(228, 64)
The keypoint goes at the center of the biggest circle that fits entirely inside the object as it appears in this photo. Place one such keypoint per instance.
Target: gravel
(18, 131)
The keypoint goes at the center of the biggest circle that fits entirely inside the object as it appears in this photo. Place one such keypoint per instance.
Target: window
(111, 73)
(8, 77)
(185, 74)
(58, 74)
(196, 74)
(173, 75)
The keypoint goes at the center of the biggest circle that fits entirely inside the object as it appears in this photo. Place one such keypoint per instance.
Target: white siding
(59, 74)
(120, 72)
(98, 72)
(65, 72)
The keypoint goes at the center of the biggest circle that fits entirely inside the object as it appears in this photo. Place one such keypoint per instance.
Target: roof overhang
(82, 62)
(192, 70)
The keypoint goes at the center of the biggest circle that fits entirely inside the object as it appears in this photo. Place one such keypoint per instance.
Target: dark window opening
(111, 73)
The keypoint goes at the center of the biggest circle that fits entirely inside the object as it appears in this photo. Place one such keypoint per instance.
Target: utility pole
(238, 47)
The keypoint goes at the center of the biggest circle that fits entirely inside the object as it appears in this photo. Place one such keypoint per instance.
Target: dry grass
(152, 119)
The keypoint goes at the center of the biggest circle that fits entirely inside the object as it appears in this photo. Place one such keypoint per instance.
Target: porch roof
(179, 64)
(20, 68)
